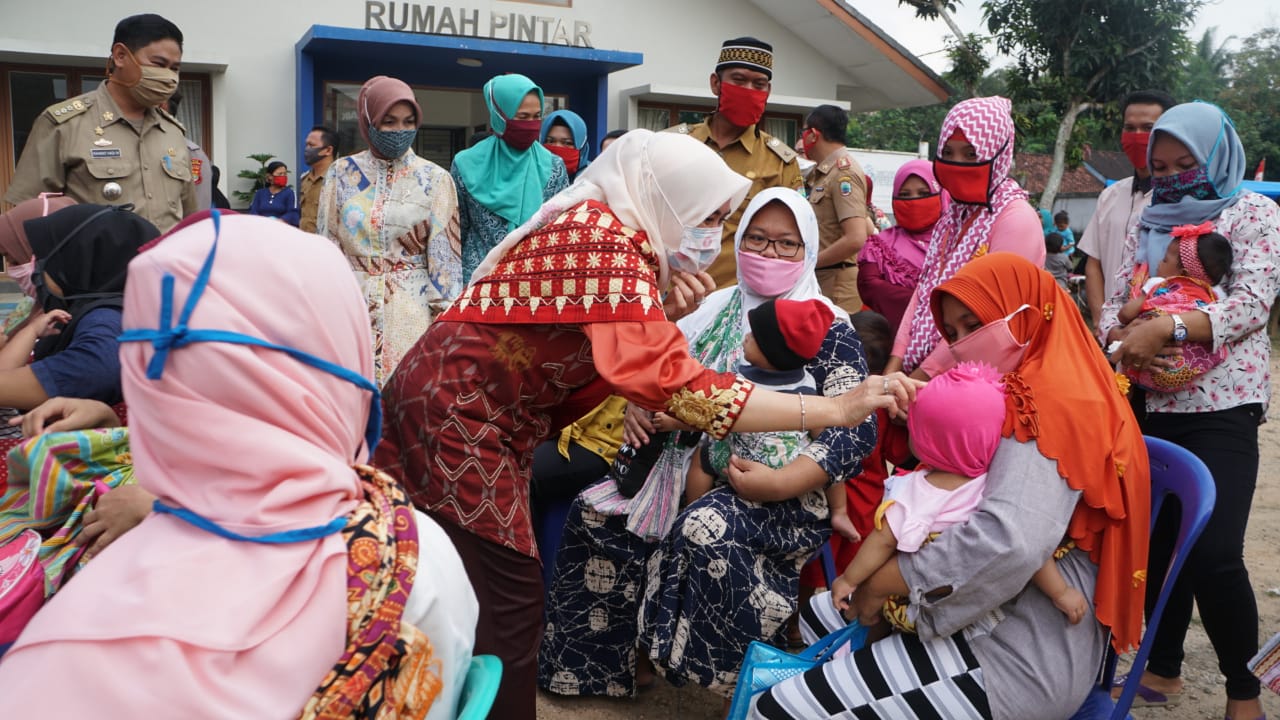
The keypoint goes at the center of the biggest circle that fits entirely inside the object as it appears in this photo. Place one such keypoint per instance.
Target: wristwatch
(1179, 329)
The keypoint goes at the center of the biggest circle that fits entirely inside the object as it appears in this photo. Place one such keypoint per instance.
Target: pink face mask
(992, 344)
(768, 277)
(21, 274)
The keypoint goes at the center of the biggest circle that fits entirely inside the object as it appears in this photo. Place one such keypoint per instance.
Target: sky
(926, 39)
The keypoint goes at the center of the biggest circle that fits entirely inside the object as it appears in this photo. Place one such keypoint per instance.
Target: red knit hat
(790, 332)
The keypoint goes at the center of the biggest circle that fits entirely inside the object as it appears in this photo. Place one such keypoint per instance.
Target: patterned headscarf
(1211, 138)
(964, 229)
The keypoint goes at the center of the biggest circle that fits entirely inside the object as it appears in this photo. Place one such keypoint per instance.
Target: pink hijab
(13, 236)
(899, 252)
(172, 621)
(377, 96)
(957, 420)
(987, 124)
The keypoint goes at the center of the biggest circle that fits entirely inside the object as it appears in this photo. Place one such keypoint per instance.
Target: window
(660, 116)
(26, 90)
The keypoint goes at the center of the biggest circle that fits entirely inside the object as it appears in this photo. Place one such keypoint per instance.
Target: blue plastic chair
(480, 687)
(1174, 471)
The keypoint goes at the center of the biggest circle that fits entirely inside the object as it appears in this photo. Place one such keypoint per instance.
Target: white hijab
(807, 288)
(651, 513)
(660, 183)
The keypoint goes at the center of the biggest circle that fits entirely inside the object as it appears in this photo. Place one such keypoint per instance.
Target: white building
(258, 75)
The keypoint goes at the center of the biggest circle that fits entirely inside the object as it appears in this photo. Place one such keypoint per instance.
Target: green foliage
(1250, 99)
(1092, 50)
(929, 9)
(258, 177)
(899, 129)
(1204, 74)
(1072, 56)
(969, 62)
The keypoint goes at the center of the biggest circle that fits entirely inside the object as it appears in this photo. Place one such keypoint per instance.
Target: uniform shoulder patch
(682, 128)
(779, 148)
(846, 185)
(165, 114)
(843, 163)
(65, 111)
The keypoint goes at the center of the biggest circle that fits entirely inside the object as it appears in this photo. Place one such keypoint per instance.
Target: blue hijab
(1211, 137)
(577, 127)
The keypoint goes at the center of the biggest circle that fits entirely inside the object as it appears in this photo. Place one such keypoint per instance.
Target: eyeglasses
(785, 248)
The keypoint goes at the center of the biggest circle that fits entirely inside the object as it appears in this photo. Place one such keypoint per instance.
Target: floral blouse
(1239, 322)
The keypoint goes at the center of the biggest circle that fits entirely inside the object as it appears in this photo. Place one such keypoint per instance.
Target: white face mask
(699, 247)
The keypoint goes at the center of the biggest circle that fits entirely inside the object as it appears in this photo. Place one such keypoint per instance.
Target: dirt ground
(1202, 699)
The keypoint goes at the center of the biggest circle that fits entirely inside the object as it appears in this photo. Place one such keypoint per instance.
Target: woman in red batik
(566, 310)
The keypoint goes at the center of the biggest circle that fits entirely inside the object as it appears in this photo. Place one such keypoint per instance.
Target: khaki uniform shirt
(837, 190)
(84, 147)
(309, 200)
(764, 160)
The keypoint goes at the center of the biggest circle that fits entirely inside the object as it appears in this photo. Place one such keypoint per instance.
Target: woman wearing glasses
(729, 562)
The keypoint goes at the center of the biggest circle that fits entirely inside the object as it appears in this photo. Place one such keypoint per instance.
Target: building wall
(248, 46)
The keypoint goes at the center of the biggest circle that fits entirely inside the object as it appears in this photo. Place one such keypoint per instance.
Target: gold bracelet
(802, 427)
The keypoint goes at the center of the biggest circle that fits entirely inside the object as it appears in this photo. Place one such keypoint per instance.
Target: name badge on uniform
(105, 153)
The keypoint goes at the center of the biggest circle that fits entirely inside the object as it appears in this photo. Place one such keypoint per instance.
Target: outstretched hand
(892, 392)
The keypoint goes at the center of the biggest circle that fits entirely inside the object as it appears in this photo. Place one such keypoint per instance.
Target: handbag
(21, 585)
(1266, 664)
(764, 665)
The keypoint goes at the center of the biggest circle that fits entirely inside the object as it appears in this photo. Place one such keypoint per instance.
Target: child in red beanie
(785, 336)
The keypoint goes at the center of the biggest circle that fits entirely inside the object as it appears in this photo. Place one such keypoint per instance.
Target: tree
(969, 62)
(257, 176)
(1250, 99)
(1205, 70)
(1076, 56)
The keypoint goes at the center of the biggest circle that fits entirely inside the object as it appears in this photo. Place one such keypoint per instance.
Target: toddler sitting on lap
(955, 426)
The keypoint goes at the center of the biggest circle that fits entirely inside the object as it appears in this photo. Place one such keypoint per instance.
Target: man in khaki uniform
(742, 81)
(114, 144)
(838, 192)
(318, 152)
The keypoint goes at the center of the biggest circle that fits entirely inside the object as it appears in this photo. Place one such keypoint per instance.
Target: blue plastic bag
(764, 665)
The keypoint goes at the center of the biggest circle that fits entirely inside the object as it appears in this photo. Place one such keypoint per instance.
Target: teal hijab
(577, 128)
(507, 181)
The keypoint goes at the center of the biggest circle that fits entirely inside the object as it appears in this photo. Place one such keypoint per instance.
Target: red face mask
(808, 140)
(920, 213)
(521, 134)
(1134, 145)
(968, 183)
(569, 155)
(741, 106)
(279, 180)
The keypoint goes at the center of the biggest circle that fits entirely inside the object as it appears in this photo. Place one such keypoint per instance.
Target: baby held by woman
(955, 426)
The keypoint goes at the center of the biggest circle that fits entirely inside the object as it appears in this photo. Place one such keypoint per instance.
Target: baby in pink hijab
(955, 426)
(249, 399)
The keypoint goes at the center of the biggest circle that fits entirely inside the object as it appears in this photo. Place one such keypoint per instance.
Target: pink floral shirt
(1239, 322)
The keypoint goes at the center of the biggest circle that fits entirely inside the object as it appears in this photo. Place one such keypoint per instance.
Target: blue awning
(357, 48)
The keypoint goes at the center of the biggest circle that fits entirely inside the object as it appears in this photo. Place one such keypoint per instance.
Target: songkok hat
(790, 332)
(746, 52)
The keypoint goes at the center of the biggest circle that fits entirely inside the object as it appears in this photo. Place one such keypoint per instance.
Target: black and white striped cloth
(898, 678)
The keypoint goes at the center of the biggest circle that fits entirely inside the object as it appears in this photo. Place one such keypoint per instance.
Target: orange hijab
(1066, 398)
